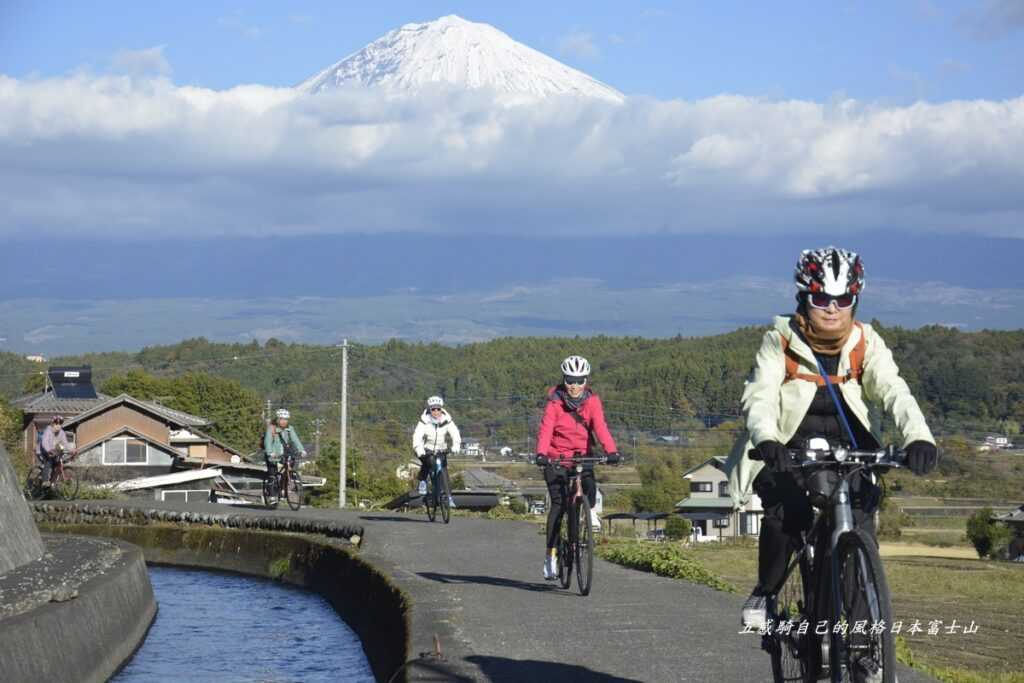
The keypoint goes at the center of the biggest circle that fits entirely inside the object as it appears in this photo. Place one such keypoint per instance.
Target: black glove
(613, 458)
(541, 459)
(922, 457)
(774, 455)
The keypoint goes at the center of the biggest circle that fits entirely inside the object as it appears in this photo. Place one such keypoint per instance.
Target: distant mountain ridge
(459, 53)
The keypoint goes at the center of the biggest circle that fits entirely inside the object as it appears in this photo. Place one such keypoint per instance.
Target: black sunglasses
(435, 410)
(574, 380)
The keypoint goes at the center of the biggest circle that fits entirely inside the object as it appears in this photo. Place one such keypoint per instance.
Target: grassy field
(927, 585)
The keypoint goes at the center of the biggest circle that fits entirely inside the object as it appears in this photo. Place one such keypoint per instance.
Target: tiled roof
(1015, 516)
(180, 416)
(700, 502)
(47, 402)
(174, 416)
(718, 462)
(477, 478)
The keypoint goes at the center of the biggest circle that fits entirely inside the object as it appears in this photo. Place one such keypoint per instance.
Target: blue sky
(878, 51)
(138, 130)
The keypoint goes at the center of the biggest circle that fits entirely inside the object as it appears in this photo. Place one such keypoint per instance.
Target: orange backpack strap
(857, 355)
(856, 363)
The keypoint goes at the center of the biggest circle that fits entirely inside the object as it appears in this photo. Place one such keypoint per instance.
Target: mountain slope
(461, 53)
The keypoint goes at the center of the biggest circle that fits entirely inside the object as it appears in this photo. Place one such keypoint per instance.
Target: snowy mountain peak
(461, 53)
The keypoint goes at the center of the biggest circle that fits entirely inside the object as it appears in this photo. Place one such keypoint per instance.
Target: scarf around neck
(825, 343)
(570, 402)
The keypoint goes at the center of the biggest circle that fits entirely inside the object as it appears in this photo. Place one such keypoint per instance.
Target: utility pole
(344, 422)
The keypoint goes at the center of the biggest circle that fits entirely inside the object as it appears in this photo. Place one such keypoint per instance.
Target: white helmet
(435, 402)
(282, 414)
(576, 366)
(831, 271)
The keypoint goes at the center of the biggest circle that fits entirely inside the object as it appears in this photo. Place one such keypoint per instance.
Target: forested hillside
(965, 381)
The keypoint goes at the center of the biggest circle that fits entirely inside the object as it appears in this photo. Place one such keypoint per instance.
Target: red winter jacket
(561, 436)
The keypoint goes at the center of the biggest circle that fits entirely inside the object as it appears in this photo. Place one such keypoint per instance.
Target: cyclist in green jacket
(280, 435)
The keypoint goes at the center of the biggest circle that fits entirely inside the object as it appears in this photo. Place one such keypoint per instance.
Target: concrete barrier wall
(87, 638)
(20, 542)
(375, 609)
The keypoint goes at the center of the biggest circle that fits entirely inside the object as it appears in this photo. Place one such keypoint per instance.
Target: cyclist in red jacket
(573, 413)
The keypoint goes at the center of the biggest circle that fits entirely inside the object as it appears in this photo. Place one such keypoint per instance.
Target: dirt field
(900, 549)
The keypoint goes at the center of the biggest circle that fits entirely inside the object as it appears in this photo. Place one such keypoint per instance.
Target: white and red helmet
(831, 271)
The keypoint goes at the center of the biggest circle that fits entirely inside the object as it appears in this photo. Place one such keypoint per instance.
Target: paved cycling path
(476, 585)
(480, 581)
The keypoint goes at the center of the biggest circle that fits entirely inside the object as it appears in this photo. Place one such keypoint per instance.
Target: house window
(125, 452)
(185, 495)
(722, 523)
(723, 489)
(113, 452)
(135, 453)
(701, 487)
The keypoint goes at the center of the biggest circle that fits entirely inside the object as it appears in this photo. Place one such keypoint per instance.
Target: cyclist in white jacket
(433, 432)
(787, 402)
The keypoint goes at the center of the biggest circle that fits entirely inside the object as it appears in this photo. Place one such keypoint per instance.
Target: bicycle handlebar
(812, 458)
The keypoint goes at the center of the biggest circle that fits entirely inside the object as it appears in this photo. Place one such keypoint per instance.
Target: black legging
(427, 463)
(557, 479)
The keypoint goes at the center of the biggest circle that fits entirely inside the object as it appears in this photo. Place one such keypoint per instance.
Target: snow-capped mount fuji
(460, 53)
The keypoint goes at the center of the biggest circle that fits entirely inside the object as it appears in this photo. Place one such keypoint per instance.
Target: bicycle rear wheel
(860, 600)
(34, 483)
(293, 490)
(430, 500)
(66, 485)
(445, 497)
(565, 553)
(792, 653)
(584, 547)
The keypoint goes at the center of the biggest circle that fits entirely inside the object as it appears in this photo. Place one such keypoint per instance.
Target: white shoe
(551, 568)
(595, 521)
(422, 490)
(755, 614)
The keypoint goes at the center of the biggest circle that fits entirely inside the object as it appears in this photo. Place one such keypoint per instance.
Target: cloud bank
(139, 156)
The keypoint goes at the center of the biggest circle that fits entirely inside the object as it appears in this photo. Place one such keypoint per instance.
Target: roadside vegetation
(923, 588)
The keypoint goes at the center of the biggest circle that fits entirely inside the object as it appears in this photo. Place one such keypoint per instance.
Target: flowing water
(224, 627)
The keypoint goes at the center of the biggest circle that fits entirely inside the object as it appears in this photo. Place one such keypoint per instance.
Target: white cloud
(119, 155)
(579, 44)
(148, 61)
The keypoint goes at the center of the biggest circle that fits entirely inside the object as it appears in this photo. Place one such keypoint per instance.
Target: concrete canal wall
(20, 542)
(326, 563)
(71, 609)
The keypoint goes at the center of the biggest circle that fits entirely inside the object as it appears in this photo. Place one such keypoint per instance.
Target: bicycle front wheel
(863, 646)
(565, 553)
(444, 493)
(293, 492)
(792, 652)
(430, 500)
(584, 547)
(66, 485)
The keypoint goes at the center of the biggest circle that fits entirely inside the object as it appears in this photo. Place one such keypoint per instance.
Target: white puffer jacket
(775, 409)
(433, 436)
